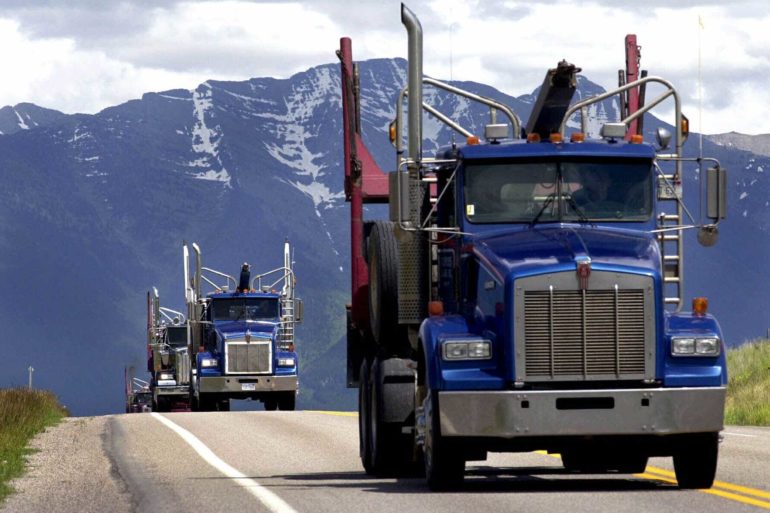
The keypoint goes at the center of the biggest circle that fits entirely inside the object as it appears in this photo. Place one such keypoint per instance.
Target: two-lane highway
(284, 462)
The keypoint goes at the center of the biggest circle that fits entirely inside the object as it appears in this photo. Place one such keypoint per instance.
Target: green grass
(23, 414)
(748, 389)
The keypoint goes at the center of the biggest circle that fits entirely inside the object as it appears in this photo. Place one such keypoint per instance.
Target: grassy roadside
(748, 390)
(23, 414)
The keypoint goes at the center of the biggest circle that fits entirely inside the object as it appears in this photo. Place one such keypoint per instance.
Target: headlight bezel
(698, 346)
(463, 350)
(209, 363)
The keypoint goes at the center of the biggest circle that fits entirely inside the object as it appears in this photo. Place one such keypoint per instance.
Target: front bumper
(247, 384)
(177, 390)
(650, 411)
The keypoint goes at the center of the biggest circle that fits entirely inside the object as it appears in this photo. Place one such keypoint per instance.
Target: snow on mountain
(759, 144)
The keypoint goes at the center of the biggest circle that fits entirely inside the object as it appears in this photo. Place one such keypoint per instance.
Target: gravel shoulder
(71, 471)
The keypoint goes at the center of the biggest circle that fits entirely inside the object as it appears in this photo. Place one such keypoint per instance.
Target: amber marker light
(533, 138)
(436, 308)
(700, 305)
(577, 137)
(392, 131)
(555, 137)
(473, 140)
(637, 139)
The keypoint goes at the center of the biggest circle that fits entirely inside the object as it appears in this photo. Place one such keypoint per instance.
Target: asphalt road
(282, 462)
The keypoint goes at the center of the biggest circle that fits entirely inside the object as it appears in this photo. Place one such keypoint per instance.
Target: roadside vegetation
(748, 389)
(23, 414)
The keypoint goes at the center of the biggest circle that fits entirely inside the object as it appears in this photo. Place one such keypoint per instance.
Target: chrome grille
(572, 334)
(248, 358)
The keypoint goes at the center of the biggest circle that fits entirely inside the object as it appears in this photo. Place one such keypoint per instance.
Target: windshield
(578, 190)
(245, 309)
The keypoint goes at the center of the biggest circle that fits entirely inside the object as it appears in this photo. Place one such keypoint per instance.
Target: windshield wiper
(582, 218)
(548, 200)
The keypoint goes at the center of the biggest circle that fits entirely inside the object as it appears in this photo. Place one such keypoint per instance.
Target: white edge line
(739, 434)
(265, 496)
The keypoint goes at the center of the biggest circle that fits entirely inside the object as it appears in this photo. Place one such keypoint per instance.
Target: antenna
(700, 91)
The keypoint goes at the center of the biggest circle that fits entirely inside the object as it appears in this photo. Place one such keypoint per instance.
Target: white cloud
(505, 43)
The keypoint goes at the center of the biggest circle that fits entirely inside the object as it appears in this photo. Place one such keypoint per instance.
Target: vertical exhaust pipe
(414, 81)
(197, 277)
(288, 290)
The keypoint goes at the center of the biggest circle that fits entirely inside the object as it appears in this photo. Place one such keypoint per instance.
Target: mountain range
(95, 208)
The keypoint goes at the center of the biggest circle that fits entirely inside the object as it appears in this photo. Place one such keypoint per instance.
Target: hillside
(759, 144)
(23, 414)
(748, 391)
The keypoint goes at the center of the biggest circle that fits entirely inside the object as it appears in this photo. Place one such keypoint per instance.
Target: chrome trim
(509, 414)
(234, 384)
(563, 288)
(258, 342)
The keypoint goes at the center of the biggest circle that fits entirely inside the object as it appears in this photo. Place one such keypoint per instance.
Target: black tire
(364, 449)
(444, 465)
(390, 450)
(287, 401)
(382, 253)
(271, 403)
(223, 405)
(695, 464)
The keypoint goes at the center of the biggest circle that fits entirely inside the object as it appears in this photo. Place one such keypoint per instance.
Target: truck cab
(243, 335)
(245, 352)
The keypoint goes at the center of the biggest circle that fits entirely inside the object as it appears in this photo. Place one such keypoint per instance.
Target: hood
(556, 248)
(229, 329)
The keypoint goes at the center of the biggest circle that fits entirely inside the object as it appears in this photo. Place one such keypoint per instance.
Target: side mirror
(716, 193)
(663, 137)
(708, 235)
(299, 311)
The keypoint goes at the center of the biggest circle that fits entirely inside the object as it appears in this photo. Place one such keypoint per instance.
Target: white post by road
(31, 370)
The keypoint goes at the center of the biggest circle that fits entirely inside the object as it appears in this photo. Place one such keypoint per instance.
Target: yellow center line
(719, 484)
(335, 413)
(667, 476)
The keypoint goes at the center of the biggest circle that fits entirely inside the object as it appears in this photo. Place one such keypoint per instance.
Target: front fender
(694, 371)
(455, 375)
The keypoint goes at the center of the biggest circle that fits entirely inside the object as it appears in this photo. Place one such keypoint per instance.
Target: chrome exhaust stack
(414, 81)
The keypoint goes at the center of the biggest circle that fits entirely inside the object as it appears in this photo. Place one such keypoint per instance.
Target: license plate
(248, 386)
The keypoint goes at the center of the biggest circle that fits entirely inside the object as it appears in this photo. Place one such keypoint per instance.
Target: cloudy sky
(85, 55)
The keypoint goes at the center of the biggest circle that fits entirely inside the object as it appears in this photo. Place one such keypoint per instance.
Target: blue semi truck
(242, 335)
(527, 291)
(168, 359)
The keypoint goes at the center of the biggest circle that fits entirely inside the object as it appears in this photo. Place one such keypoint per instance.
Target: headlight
(467, 350)
(209, 362)
(690, 346)
(166, 376)
(286, 362)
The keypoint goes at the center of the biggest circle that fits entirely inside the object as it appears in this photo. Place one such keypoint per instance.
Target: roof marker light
(555, 137)
(577, 137)
(533, 137)
(473, 140)
(637, 139)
